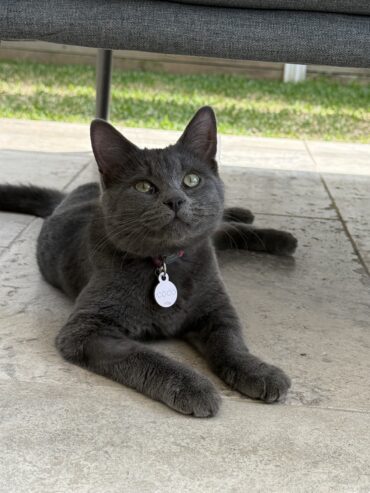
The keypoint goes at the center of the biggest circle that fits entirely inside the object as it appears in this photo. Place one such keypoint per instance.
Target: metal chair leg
(103, 82)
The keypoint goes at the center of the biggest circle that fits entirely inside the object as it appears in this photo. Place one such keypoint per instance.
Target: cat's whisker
(233, 242)
(256, 235)
(240, 234)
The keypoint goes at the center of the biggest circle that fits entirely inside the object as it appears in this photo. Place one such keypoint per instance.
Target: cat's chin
(160, 247)
(155, 251)
(176, 228)
(174, 231)
(176, 235)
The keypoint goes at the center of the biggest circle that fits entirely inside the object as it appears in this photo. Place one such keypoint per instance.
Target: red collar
(158, 261)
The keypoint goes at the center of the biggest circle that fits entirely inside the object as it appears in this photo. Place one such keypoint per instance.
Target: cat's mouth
(179, 220)
(174, 222)
(175, 225)
(174, 230)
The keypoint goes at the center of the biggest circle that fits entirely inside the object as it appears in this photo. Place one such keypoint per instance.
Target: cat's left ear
(200, 136)
(111, 150)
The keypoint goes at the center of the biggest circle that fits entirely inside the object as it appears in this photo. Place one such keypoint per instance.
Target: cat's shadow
(242, 260)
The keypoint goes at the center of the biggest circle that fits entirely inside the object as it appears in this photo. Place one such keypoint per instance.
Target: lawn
(316, 109)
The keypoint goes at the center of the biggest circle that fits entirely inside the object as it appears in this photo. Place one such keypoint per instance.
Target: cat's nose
(175, 203)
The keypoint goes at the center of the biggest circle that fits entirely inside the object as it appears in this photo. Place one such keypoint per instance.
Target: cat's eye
(191, 180)
(144, 187)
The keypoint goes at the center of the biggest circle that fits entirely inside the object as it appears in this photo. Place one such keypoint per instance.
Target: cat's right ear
(111, 149)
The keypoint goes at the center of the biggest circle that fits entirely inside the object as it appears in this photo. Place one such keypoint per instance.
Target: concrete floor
(64, 429)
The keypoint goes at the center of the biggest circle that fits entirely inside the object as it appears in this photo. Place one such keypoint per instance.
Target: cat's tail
(28, 199)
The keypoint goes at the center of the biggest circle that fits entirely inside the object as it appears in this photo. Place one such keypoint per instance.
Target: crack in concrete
(339, 214)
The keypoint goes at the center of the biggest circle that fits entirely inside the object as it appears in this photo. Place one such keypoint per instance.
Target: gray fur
(29, 199)
(97, 247)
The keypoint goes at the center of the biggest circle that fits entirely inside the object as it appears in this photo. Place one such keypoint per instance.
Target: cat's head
(157, 201)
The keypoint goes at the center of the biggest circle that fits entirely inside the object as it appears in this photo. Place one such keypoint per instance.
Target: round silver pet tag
(165, 293)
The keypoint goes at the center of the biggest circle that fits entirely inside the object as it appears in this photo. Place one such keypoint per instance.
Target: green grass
(316, 109)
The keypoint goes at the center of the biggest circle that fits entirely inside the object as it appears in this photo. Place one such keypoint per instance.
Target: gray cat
(138, 255)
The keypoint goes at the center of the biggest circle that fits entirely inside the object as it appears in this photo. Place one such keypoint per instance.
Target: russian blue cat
(157, 219)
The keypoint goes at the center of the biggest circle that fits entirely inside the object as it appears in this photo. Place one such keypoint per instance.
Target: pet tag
(165, 293)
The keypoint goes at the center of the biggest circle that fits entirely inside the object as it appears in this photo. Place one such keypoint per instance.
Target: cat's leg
(238, 214)
(218, 337)
(234, 235)
(95, 343)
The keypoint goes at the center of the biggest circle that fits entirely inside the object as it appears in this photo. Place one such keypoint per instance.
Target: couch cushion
(342, 6)
(176, 28)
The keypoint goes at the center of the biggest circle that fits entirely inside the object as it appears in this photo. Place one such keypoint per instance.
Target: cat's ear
(111, 149)
(200, 136)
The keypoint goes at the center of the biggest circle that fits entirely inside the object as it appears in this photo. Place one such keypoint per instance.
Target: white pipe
(294, 72)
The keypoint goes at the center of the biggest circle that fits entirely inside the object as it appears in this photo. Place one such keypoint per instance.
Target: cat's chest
(140, 297)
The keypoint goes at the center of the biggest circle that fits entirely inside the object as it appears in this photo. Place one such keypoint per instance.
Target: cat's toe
(201, 401)
(282, 243)
(266, 382)
(276, 384)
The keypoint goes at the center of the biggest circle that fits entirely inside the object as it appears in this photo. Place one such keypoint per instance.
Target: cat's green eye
(144, 186)
(191, 180)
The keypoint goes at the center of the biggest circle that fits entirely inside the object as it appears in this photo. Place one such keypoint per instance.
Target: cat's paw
(200, 400)
(280, 242)
(238, 215)
(260, 380)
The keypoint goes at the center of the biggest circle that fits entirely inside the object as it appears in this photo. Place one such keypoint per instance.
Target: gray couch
(329, 32)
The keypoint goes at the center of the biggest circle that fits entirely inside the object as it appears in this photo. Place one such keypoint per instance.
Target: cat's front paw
(260, 380)
(200, 399)
(280, 242)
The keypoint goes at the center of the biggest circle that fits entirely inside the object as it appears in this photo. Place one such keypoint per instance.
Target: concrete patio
(64, 429)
